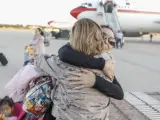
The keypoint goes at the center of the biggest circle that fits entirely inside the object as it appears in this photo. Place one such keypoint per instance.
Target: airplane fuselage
(135, 16)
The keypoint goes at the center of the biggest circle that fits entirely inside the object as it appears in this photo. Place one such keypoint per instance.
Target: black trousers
(118, 42)
(48, 115)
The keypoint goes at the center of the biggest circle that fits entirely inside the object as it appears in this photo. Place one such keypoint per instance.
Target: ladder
(111, 17)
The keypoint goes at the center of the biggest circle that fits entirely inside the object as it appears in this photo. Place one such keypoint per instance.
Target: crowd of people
(76, 84)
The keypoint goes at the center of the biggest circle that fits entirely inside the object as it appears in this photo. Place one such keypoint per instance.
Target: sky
(37, 12)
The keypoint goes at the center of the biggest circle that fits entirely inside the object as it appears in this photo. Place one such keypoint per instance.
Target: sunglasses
(111, 40)
(112, 43)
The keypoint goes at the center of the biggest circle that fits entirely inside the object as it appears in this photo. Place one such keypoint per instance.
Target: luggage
(17, 87)
(3, 59)
(38, 98)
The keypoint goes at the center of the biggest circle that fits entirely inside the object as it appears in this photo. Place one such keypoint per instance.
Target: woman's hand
(86, 79)
(109, 69)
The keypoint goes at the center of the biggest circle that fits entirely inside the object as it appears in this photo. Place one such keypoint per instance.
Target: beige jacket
(70, 104)
(38, 43)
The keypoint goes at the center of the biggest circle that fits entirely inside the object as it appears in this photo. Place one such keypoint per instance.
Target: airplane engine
(133, 34)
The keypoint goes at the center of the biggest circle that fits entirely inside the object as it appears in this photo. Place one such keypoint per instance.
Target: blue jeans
(26, 56)
(118, 42)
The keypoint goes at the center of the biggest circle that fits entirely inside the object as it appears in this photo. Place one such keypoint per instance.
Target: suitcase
(3, 59)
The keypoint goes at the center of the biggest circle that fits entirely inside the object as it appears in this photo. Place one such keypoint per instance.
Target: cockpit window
(89, 4)
(86, 4)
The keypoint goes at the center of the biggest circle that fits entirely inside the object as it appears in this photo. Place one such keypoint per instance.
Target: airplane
(63, 25)
(136, 17)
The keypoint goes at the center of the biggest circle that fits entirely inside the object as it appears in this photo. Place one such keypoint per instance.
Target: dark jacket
(71, 56)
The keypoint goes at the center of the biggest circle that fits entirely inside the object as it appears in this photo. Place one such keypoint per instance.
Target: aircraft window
(84, 4)
(89, 4)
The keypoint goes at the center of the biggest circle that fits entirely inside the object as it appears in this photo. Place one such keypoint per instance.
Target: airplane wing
(59, 25)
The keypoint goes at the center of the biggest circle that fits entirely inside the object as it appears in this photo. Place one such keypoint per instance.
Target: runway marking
(147, 105)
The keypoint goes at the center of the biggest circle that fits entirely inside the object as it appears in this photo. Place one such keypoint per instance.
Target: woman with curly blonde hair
(86, 36)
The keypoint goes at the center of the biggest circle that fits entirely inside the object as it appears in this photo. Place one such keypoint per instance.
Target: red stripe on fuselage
(137, 11)
(122, 10)
(75, 12)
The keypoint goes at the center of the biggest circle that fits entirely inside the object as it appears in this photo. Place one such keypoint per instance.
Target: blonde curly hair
(87, 36)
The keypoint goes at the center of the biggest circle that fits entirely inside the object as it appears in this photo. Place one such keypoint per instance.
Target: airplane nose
(75, 12)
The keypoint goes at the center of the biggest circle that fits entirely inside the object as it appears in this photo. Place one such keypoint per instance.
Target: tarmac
(137, 65)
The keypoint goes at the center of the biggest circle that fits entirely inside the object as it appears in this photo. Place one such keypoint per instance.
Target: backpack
(38, 98)
(3, 59)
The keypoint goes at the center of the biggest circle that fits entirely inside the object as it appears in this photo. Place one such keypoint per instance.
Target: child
(28, 54)
(9, 110)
